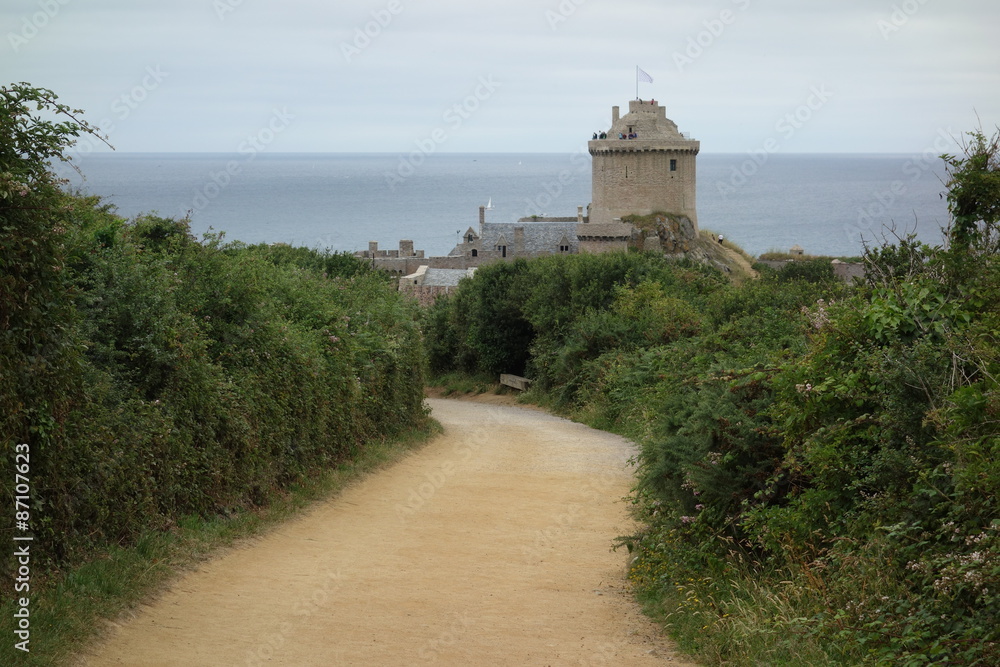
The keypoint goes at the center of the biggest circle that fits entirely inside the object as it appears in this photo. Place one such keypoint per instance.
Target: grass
(713, 237)
(746, 625)
(780, 255)
(69, 610)
(744, 618)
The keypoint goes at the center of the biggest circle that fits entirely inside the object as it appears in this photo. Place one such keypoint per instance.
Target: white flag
(643, 76)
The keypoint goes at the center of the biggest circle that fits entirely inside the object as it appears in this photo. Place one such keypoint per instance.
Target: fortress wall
(597, 246)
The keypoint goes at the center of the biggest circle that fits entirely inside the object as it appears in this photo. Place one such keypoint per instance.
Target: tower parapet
(644, 165)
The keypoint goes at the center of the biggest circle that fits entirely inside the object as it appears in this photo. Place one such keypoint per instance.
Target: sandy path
(490, 546)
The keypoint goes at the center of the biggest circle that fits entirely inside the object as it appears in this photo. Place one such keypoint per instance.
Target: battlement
(405, 250)
(652, 106)
(646, 121)
(687, 146)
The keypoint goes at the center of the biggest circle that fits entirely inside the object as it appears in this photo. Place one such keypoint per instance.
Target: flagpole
(636, 82)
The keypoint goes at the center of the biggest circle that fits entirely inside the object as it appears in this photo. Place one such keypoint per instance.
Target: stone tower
(654, 171)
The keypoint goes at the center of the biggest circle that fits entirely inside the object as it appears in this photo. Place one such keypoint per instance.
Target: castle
(642, 165)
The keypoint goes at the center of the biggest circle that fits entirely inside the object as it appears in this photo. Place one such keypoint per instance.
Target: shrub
(152, 375)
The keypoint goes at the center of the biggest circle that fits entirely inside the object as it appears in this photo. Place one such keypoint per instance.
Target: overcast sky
(884, 76)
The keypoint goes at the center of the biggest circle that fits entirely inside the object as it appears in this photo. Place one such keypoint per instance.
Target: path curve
(489, 546)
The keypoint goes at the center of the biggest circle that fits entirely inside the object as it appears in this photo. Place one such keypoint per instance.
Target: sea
(829, 204)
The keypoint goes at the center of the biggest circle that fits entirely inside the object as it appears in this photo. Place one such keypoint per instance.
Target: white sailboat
(489, 204)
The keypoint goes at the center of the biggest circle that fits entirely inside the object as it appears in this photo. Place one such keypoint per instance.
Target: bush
(816, 458)
(153, 376)
(214, 376)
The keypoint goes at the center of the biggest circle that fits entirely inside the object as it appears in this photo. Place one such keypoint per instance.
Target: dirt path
(490, 546)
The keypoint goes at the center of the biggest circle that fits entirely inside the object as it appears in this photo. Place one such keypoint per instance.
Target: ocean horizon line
(263, 154)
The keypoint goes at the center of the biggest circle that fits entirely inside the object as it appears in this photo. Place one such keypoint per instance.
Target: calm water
(825, 203)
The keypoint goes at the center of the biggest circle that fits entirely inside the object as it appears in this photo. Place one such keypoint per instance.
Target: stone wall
(846, 271)
(404, 266)
(425, 295)
(596, 246)
(637, 180)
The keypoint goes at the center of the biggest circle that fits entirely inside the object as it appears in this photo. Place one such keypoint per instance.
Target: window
(503, 250)
(564, 248)
(475, 253)
(673, 165)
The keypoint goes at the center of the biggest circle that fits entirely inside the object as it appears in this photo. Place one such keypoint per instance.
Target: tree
(974, 194)
(34, 302)
(30, 139)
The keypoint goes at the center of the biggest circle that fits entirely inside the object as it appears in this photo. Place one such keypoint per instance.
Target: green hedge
(164, 376)
(817, 465)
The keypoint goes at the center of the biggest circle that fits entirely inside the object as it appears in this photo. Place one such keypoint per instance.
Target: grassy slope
(727, 254)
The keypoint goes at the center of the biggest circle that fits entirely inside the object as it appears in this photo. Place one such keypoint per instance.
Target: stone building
(644, 165)
(427, 284)
(528, 237)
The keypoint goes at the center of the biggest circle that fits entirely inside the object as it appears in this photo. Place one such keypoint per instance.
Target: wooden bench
(515, 381)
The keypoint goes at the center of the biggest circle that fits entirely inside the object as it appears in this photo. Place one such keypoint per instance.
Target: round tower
(652, 171)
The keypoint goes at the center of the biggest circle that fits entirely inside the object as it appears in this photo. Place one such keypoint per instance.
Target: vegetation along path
(490, 546)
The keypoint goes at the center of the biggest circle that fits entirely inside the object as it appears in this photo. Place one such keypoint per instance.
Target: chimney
(614, 115)
(372, 248)
(579, 215)
(482, 216)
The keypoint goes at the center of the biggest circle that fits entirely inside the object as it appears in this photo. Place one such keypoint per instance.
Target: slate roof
(445, 277)
(538, 236)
